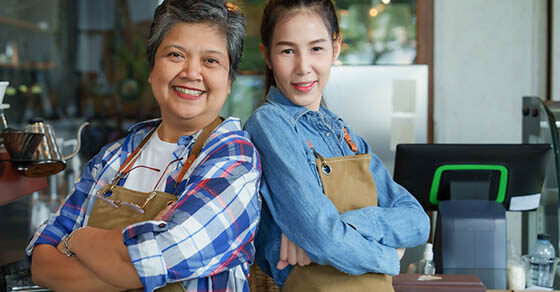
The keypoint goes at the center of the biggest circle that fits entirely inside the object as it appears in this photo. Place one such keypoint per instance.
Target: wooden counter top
(12, 184)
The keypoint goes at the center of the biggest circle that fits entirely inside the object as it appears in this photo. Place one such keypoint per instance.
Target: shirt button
(328, 134)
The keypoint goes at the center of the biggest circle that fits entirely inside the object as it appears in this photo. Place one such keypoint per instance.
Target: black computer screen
(498, 172)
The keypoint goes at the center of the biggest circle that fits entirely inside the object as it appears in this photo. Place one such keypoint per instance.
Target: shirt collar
(144, 128)
(275, 96)
(149, 124)
(141, 129)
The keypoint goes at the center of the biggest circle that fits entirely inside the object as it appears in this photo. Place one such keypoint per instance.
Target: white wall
(487, 55)
(556, 50)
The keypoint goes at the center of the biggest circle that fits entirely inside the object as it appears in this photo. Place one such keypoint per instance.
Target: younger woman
(324, 189)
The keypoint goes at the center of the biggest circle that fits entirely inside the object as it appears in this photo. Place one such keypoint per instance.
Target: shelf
(30, 66)
(23, 24)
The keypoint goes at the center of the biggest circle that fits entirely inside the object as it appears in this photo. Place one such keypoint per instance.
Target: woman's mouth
(188, 93)
(304, 86)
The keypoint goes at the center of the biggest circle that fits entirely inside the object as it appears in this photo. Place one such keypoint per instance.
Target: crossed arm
(50, 267)
(291, 254)
(69, 275)
(101, 262)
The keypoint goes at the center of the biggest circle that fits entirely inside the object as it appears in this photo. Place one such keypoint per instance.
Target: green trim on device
(439, 172)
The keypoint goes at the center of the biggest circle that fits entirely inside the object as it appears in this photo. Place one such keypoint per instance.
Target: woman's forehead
(188, 33)
(290, 26)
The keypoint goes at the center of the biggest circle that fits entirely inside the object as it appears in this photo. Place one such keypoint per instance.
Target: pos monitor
(510, 174)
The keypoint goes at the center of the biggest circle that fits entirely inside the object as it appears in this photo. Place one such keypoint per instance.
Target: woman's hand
(103, 253)
(291, 254)
(400, 252)
(60, 247)
(56, 271)
(163, 212)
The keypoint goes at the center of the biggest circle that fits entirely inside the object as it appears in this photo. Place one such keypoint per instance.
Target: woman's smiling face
(301, 55)
(190, 79)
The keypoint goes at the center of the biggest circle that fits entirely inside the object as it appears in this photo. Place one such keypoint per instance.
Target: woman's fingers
(284, 248)
(306, 260)
(301, 256)
(60, 247)
(163, 212)
(292, 253)
(283, 262)
(282, 265)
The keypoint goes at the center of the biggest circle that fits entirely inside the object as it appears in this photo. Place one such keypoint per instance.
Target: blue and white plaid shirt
(207, 242)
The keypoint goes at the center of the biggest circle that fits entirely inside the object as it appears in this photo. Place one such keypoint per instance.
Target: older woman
(176, 200)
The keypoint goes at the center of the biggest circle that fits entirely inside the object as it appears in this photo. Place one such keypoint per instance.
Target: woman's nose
(303, 66)
(191, 70)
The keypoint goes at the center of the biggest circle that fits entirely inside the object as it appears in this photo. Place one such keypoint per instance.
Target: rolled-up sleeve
(399, 220)
(71, 213)
(212, 226)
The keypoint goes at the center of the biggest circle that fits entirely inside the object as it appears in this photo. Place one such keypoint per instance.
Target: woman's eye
(174, 55)
(212, 62)
(287, 51)
(316, 49)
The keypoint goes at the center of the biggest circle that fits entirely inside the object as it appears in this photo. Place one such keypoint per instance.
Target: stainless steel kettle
(47, 159)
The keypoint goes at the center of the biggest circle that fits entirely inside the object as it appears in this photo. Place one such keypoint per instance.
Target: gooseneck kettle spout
(79, 144)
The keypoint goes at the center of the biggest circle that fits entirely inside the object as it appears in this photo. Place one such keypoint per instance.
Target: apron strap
(349, 141)
(198, 147)
(347, 138)
(129, 162)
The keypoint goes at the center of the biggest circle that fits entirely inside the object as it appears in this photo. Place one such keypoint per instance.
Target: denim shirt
(355, 242)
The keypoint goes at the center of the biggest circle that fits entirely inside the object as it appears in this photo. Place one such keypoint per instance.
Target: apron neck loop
(129, 162)
(349, 141)
(347, 138)
(317, 155)
(197, 148)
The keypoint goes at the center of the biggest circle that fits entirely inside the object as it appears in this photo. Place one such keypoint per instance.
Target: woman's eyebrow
(317, 41)
(175, 47)
(213, 51)
(207, 51)
(284, 43)
(287, 43)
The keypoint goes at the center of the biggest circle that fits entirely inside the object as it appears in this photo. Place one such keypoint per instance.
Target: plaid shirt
(207, 241)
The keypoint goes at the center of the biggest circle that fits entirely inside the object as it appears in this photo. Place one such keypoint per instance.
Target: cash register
(471, 186)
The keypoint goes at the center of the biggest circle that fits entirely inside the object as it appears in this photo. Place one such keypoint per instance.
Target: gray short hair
(226, 17)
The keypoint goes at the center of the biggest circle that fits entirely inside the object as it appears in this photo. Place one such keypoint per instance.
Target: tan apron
(348, 183)
(118, 210)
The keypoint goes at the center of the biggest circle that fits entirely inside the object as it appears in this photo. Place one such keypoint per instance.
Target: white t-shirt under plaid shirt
(153, 160)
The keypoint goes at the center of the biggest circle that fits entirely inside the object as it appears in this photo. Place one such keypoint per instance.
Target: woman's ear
(264, 52)
(337, 46)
